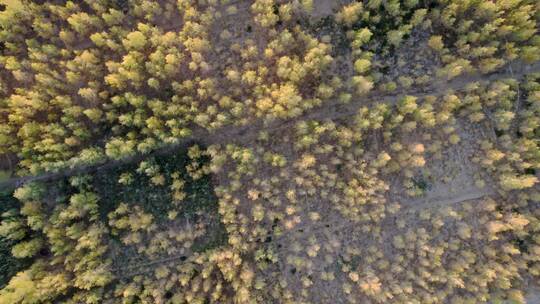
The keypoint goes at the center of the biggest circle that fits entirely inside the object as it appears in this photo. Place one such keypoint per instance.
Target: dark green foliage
(215, 237)
(200, 203)
(122, 5)
(329, 26)
(154, 199)
(353, 262)
(421, 183)
(9, 265)
(387, 22)
(157, 200)
(523, 243)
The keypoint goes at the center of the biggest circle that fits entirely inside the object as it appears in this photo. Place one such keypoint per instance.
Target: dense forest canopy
(269, 151)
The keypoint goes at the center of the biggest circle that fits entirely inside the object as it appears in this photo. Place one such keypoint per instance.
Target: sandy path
(469, 195)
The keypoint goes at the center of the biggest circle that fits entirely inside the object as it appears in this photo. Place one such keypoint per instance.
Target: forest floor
(533, 296)
(450, 179)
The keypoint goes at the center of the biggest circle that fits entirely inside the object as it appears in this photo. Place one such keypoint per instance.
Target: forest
(270, 151)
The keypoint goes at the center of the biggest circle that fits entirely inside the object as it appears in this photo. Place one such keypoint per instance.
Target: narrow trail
(136, 269)
(409, 207)
(434, 202)
(245, 134)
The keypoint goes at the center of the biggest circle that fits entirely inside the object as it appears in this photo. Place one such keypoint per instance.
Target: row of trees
(70, 235)
(88, 81)
(511, 109)
(150, 71)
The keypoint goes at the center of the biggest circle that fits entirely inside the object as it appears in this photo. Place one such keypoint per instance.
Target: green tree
(516, 182)
(135, 41)
(27, 249)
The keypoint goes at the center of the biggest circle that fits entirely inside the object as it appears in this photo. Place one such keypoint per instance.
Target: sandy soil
(322, 8)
